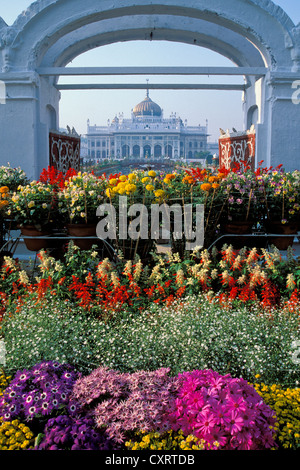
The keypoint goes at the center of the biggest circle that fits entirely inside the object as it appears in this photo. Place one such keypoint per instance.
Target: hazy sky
(220, 108)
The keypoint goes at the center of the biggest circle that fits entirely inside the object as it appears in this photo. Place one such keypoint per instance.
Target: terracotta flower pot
(35, 243)
(130, 248)
(83, 231)
(282, 243)
(239, 228)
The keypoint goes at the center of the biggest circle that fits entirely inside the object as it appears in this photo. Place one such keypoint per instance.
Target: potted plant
(194, 187)
(77, 204)
(12, 177)
(4, 195)
(138, 187)
(31, 207)
(242, 204)
(282, 204)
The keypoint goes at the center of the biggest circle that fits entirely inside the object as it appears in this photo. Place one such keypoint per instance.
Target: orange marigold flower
(205, 186)
(4, 189)
(188, 179)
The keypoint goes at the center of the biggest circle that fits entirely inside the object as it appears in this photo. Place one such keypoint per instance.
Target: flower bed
(192, 351)
(107, 409)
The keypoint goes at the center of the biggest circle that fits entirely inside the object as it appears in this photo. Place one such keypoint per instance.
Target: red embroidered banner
(237, 149)
(64, 152)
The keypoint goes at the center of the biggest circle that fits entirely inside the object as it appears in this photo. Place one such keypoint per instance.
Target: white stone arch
(252, 116)
(51, 32)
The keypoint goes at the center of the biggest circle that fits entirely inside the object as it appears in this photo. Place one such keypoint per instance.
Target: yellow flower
(130, 188)
(132, 177)
(108, 192)
(150, 187)
(159, 193)
(31, 204)
(113, 181)
(145, 179)
(152, 173)
(123, 178)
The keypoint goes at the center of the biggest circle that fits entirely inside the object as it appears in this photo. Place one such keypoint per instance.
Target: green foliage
(192, 333)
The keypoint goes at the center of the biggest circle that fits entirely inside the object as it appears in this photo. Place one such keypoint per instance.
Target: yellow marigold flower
(130, 188)
(159, 193)
(146, 179)
(152, 173)
(108, 192)
(123, 178)
(150, 187)
(113, 181)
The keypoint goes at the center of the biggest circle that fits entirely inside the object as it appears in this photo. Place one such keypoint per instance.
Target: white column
(25, 121)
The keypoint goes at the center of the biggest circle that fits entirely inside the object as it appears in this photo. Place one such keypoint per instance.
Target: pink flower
(237, 403)
(206, 421)
(229, 411)
(235, 422)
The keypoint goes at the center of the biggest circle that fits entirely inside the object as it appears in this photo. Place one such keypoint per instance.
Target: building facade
(146, 135)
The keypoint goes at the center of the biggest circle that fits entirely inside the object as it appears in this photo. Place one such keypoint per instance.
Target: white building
(146, 135)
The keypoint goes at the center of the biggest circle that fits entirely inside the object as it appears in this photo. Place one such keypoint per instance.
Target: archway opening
(205, 108)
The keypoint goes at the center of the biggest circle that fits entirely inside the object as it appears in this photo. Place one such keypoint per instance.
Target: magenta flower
(231, 413)
(206, 421)
(237, 403)
(235, 422)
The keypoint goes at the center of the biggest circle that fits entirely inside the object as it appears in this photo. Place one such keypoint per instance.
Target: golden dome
(147, 107)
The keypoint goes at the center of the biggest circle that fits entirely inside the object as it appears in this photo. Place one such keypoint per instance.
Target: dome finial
(147, 80)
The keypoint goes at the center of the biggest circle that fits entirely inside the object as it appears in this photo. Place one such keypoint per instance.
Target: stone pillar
(19, 123)
(25, 122)
(272, 105)
(283, 112)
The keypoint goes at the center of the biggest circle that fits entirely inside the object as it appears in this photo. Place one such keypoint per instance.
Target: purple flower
(67, 433)
(38, 391)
